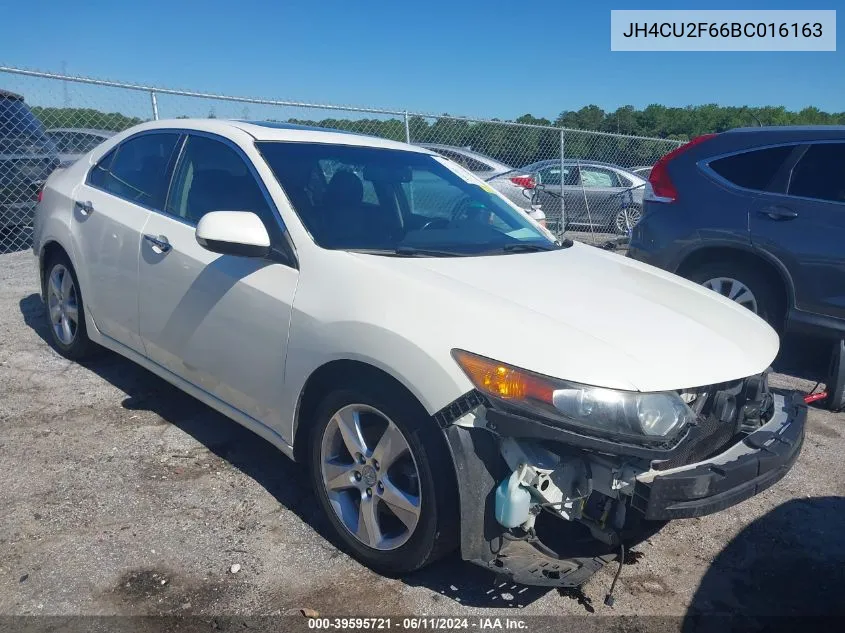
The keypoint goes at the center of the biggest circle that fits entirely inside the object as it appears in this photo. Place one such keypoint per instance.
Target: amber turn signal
(503, 381)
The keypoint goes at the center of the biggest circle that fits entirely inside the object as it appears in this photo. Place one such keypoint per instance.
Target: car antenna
(608, 599)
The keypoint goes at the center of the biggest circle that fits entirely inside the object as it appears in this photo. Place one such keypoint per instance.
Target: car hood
(586, 315)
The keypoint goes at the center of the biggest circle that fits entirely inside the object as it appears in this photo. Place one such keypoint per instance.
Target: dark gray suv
(27, 158)
(757, 214)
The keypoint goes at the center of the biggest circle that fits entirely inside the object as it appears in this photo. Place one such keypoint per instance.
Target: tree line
(521, 145)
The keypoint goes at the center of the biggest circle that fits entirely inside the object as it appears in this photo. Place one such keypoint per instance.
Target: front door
(218, 321)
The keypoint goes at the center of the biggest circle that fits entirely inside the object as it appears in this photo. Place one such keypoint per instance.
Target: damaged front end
(546, 502)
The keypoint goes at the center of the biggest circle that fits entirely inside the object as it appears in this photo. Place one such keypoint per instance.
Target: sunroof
(295, 126)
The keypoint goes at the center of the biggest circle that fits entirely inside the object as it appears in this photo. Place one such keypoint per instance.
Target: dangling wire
(608, 599)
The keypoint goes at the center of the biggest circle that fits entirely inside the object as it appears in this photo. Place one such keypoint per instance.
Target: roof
(789, 128)
(579, 161)
(283, 125)
(270, 131)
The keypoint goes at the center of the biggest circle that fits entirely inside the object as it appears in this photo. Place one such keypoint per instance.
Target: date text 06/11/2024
(425, 623)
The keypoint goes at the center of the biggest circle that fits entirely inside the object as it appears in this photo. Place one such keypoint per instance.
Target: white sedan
(453, 376)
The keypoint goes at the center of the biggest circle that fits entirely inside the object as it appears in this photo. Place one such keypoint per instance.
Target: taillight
(40, 194)
(524, 181)
(662, 188)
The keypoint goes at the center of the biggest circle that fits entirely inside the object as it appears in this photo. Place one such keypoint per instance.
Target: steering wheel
(463, 207)
(436, 223)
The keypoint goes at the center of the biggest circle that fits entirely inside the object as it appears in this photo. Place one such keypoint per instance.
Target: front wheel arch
(339, 374)
(48, 251)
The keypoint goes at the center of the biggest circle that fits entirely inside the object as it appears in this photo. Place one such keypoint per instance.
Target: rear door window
(138, 170)
(592, 177)
(752, 170)
(820, 173)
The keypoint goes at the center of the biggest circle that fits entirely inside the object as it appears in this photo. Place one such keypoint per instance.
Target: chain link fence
(589, 185)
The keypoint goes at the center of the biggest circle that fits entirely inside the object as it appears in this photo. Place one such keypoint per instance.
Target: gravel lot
(121, 495)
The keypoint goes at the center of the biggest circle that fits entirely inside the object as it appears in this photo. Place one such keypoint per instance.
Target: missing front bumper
(743, 470)
(748, 467)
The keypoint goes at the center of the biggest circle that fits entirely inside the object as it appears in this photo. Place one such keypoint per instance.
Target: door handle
(86, 208)
(778, 213)
(159, 242)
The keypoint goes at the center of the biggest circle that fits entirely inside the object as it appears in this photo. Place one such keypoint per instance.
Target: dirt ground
(122, 495)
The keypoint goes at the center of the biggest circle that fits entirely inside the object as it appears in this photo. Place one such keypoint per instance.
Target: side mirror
(240, 233)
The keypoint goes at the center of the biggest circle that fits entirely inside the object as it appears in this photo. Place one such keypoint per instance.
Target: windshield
(397, 202)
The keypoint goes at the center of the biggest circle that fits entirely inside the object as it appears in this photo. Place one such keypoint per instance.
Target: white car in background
(442, 393)
(516, 185)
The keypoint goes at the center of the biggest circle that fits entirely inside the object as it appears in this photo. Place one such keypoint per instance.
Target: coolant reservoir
(512, 501)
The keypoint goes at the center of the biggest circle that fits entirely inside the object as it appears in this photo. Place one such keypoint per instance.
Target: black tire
(436, 533)
(769, 306)
(835, 383)
(81, 346)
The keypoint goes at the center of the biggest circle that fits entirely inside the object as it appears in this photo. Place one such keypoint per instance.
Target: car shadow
(789, 563)
(286, 480)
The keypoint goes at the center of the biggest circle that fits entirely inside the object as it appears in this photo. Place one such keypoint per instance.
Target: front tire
(382, 477)
(66, 309)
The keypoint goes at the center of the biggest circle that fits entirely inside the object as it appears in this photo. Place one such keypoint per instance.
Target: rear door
(111, 208)
(561, 196)
(218, 321)
(802, 223)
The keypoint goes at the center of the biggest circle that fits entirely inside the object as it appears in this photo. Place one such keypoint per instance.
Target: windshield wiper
(413, 251)
(407, 251)
(529, 248)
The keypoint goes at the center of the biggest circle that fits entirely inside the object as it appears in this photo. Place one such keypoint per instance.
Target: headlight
(633, 414)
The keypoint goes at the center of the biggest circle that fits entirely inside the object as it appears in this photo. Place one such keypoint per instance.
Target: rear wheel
(744, 285)
(377, 469)
(626, 219)
(65, 309)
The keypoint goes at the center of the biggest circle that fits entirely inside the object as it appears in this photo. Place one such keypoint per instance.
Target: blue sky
(487, 59)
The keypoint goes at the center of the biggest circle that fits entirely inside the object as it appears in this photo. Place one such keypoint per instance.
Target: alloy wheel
(370, 477)
(734, 290)
(627, 219)
(63, 304)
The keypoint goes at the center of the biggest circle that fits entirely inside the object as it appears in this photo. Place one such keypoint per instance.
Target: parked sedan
(73, 143)
(589, 195)
(516, 185)
(442, 393)
(642, 172)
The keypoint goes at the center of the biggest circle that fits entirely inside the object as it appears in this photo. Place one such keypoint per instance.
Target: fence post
(562, 178)
(154, 101)
(407, 129)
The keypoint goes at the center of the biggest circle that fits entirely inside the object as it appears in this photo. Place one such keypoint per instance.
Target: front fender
(434, 380)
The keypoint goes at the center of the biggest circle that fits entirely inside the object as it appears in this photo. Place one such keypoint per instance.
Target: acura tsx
(453, 375)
